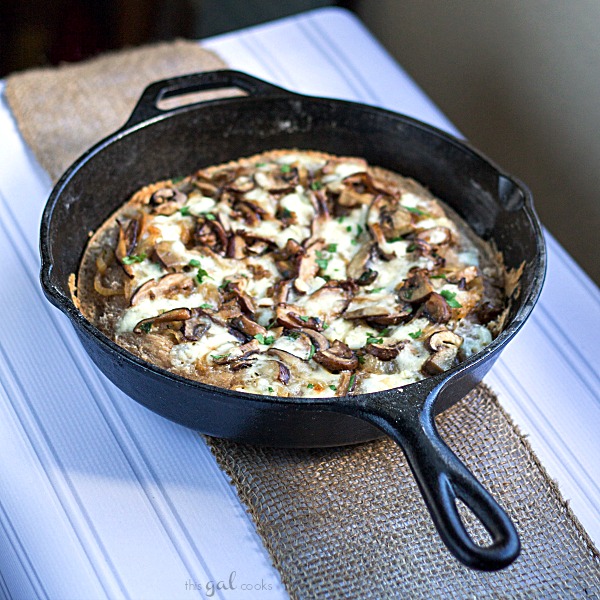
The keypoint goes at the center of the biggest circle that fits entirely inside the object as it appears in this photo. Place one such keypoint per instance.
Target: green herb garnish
(353, 242)
(177, 180)
(311, 352)
(375, 290)
(359, 230)
(325, 325)
(194, 263)
(223, 285)
(266, 341)
(209, 216)
(416, 211)
(305, 318)
(218, 356)
(371, 339)
(146, 327)
(285, 168)
(205, 305)
(201, 275)
(361, 359)
(270, 389)
(416, 335)
(333, 387)
(340, 219)
(349, 228)
(260, 164)
(316, 185)
(185, 211)
(134, 258)
(286, 214)
(332, 248)
(310, 386)
(411, 247)
(450, 299)
(352, 381)
(442, 276)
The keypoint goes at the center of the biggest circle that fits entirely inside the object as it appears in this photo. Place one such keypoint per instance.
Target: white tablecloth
(101, 498)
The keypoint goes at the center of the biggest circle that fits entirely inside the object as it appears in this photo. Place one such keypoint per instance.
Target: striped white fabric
(99, 498)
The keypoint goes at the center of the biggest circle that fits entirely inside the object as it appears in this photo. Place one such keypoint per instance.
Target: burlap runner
(62, 112)
(345, 522)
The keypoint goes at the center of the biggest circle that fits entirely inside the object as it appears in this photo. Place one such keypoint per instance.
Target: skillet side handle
(147, 106)
(442, 479)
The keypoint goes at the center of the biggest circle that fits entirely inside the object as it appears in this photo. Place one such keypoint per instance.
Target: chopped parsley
(266, 341)
(325, 325)
(361, 359)
(340, 219)
(286, 214)
(310, 386)
(353, 242)
(375, 290)
(293, 334)
(416, 335)
(451, 299)
(395, 239)
(260, 164)
(146, 327)
(194, 262)
(305, 318)
(201, 275)
(177, 180)
(270, 389)
(359, 229)
(185, 211)
(205, 305)
(225, 283)
(134, 258)
(371, 339)
(218, 356)
(416, 211)
(316, 185)
(311, 352)
(442, 276)
(285, 168)
(331, 248)
(349, 228)
(321, 261)
(333, 387)
(209, 216)
(411, 247)
(352, 381)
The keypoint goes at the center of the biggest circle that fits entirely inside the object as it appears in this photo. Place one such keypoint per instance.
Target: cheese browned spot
(292, 273)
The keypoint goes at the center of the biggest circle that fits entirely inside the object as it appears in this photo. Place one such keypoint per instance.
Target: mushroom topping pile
(293, 273)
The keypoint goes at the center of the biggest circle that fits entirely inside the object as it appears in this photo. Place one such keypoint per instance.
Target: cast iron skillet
(156, 144)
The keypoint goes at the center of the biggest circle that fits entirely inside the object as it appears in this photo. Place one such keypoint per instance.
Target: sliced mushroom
(441, 361)
(167, 286)
(177, 314)
(416, 288)
(247, 326)
(319, 341)
(436, 309)
(328, 302)
(377, 313)
(338, 357)
(360, 264)
(297, 343)
(277, 182)
(211, 234)
(289, 319)
(167, 195)
(388, 216)
(468, 274)
(241, 184)
(127, 241)
(196, 326)
(236, 247)
(436, 236)
(238, 353)
(307, 266)
(382, 352)
(443, 338)
(236, 289)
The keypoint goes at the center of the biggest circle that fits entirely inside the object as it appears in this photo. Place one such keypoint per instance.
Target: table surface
(101, 498)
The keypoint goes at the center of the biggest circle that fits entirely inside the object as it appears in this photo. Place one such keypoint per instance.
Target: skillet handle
(147, 106)
(442, 479)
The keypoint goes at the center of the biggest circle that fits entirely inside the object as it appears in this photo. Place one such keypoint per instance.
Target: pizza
(293, 273)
